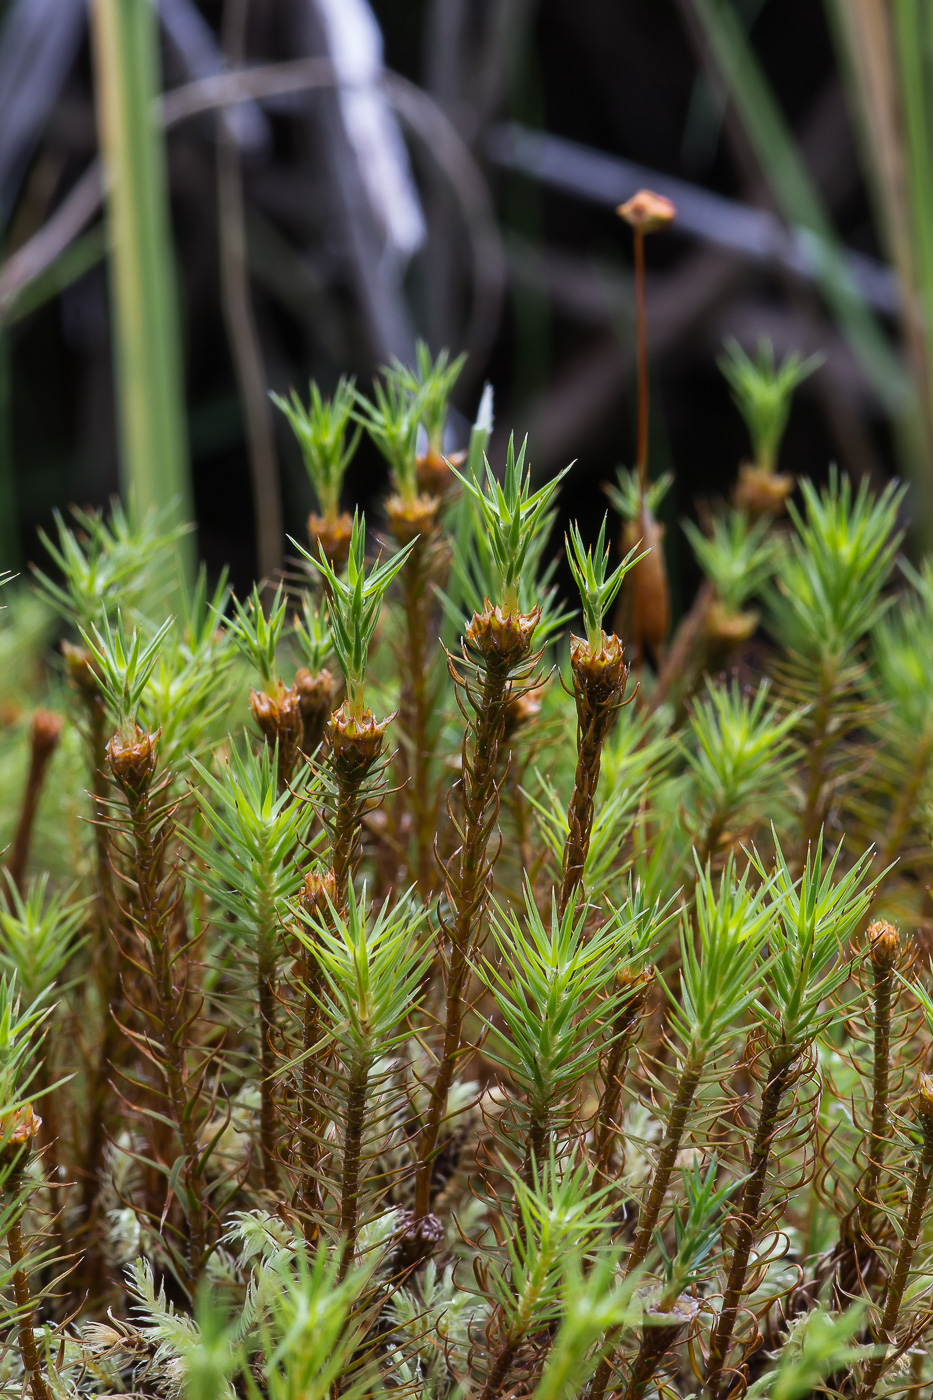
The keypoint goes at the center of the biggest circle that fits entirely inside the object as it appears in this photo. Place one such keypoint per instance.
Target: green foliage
(554, 984)
(372, 962)
(595, 1304)
(597, 590)
(309, 1335)
(430, 384)
(313, 637)
(257, 636)
(19, 1039)
(829, 594)
(696, 1231)
(722, 966)
(252, 834)
(739, 752)
(736, 556)
(321, 431)
(353, 605)
(107, 564)
(559, 1219)
(392, 423)
(516, 521)
(819, 1345)
(813, 918)
(124, 666)
(40, 932)
(763, 391)
(625, 497)
(368, 1121)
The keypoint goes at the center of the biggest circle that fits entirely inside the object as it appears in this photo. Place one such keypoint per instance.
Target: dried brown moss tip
(726, 628)
(924, 1106)
(45, 733)
(355, 743)
(318, 893)
(18, 1131)
(600, 674)
(433, 474)
(502, 636)
(647, 211)
(79, 665)
(333, 536)
(414, 518)
(760, 492)
(884, 942)
(132, 763)
(315, 699)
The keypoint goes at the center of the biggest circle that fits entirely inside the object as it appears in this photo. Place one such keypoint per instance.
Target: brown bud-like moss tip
(410, 519)
(278, 716)
(504, 636)
(884, 942)
(759, 492)
(599, 671)
(725, 627)
(355, 741)
(45, 733)
(925, 1102)
(319, 887)
(433, 472)
(314, 692)
(647, 211)
(18, 1129)
(333, 536)
(132, 763)
(80, 667)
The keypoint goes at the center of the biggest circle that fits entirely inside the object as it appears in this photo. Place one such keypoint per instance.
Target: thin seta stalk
(910, 1238)
(44, 734)
(133, 766)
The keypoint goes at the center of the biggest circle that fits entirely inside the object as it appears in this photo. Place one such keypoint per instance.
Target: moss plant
(385, 1014)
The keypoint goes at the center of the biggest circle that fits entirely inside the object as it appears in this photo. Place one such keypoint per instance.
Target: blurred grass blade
(885, 52)
(9, 539)
(147, 347)
(798, 197)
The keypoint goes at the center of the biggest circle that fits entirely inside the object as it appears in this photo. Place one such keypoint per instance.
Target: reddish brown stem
(43, 741)
(268, 1117)
(133, 766)
(467, 885)
(641, 334)
(24, 1306)
(353, 1142)
(905, 1255)
(748, 1213)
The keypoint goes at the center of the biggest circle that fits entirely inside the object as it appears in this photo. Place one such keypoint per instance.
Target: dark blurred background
(450, 207)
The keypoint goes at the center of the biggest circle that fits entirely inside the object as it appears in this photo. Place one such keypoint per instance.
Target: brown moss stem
(24, 1304)
(687, 1085)
(910, 1236)
(133, 765)
(500, 645)
(352, 1151)
(612, 1072)
(749, 1209)
(268, 1115)
(44, 735)
(599, 679)
(884, 945)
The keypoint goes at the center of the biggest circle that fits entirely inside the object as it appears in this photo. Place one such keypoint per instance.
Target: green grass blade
(155, 469)
(799, 198)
